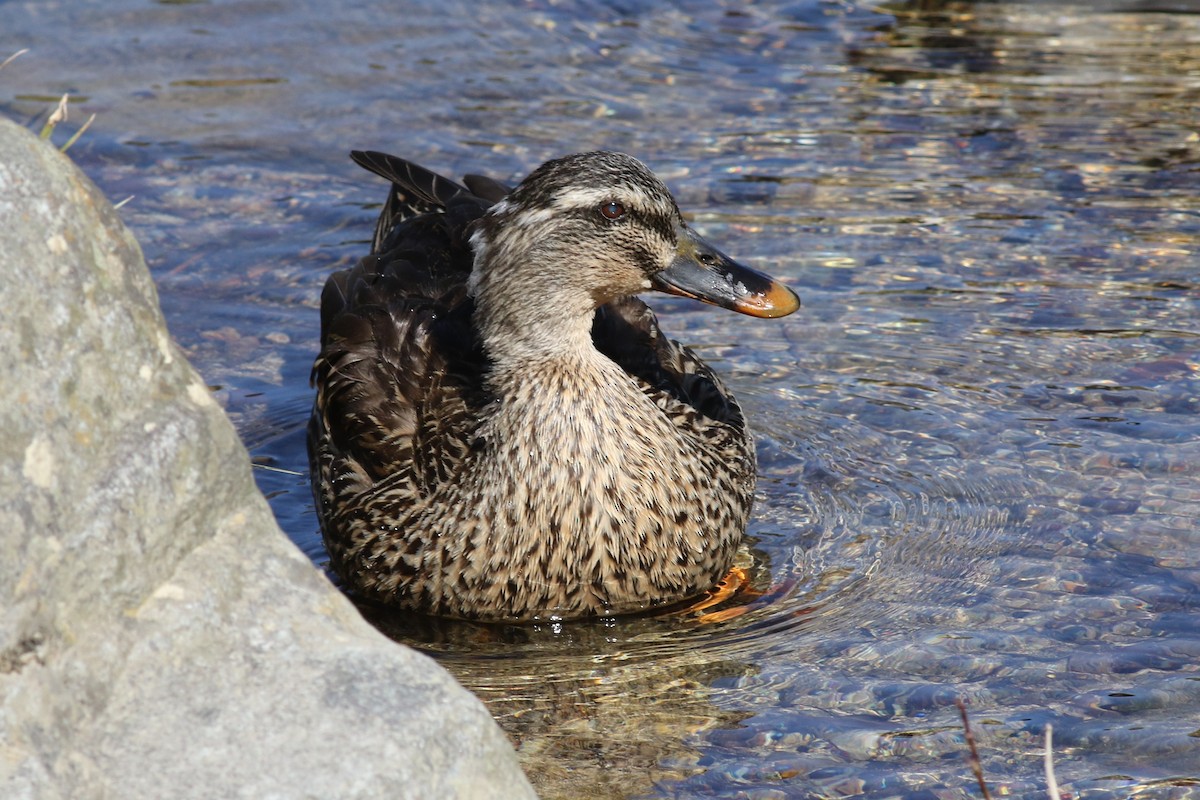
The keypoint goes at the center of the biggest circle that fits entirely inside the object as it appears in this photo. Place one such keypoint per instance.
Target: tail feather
(487, 188)
(415, 190)
(427, 188)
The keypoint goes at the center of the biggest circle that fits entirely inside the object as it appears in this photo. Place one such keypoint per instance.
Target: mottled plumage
(501, 431)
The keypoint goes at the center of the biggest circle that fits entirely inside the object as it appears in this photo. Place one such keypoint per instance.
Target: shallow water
(978, 440)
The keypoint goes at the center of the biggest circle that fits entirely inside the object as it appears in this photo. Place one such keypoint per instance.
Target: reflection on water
(978, 439)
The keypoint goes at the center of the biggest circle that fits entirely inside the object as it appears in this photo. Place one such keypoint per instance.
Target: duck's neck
(543, 362)
(516, 341)
(526, 320)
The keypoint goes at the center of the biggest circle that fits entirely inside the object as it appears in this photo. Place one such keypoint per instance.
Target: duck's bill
(703, 272)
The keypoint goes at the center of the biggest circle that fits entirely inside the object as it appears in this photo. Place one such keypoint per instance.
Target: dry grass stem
(13, 57)
(59, 115)
(78, 133)
(277, 469)
(1051, 781)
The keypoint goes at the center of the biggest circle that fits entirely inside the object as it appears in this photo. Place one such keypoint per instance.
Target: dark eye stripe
(662, 224)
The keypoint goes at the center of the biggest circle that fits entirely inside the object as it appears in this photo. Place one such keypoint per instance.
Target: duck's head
(585, 229)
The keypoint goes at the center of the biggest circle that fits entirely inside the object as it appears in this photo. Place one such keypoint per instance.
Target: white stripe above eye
(583, 197)
(564, 201)
(572, 198)
(568, 200)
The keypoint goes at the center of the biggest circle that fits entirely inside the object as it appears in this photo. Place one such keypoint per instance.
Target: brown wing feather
(627, 331)
(399, 374)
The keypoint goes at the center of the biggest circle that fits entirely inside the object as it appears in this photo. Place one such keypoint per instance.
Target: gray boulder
(159, 636)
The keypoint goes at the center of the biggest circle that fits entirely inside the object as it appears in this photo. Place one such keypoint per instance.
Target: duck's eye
(612, 210)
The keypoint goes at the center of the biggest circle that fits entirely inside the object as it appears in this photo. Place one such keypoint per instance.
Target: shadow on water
(978, 441)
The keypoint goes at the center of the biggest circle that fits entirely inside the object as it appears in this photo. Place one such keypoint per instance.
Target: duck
(501, 432)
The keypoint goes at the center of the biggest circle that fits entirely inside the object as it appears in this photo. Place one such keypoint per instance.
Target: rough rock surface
(159, 636)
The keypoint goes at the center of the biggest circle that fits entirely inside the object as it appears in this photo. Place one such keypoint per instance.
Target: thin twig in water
(976, 767)
(1051, 781)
